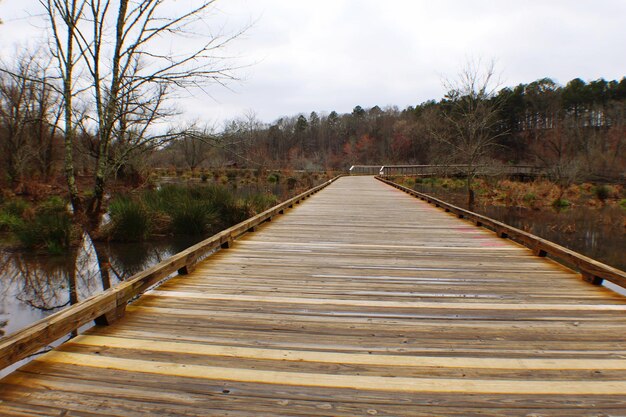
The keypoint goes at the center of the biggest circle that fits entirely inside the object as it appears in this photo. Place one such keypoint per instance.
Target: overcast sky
(329, 55)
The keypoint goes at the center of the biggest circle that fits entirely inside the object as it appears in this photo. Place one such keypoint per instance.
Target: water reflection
(128, 258)
(34, 286)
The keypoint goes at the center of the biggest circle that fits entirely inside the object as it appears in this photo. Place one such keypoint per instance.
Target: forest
(577, 129)
(580, 125)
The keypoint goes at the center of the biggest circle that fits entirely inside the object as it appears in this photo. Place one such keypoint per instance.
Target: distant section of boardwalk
(360, 301)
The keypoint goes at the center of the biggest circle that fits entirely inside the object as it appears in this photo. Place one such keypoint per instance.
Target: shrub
(273, 178)
(261, 202)
(51, 228)
(130, 219)
(622, 203)
(291, 183)
(9, 222)
(182, 210)
(602, 192)
(530, 198)
(560, 203)
(408, 181)
(16, 207)
(193, 217)
(231, 174)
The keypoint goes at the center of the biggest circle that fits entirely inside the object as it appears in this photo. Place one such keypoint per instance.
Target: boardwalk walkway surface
(360, 301)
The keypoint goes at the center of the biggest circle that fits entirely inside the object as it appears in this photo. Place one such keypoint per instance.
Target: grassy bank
(44, 225)
(235, 178)
(539, 194)
(47, 226)
(164, 203)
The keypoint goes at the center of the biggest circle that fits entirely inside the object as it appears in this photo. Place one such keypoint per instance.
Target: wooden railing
(365, 169)
(451, 170)
(109, 305)
(591, 270)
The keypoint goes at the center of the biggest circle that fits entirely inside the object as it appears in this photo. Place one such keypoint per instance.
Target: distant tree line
(576, 128)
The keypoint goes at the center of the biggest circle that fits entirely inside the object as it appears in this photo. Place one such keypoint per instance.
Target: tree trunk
(470, 193)
(70, 132)
(104, 264)
(71, 282)
(94, 212)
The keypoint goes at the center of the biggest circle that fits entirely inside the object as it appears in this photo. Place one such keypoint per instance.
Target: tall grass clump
(182, 210)
(273, 178)
(130, 219)
(602, 192)
(9, 222)
(194, 210)
(261, 202)
(291, 183)
(530, 198)
(50, 227)
(16, 207)
(191, 216)
(560, 203)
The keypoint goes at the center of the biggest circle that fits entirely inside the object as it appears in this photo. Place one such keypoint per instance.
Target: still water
(34, 286)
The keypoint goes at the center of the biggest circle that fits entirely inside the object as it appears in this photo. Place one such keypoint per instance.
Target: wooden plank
(400, 385)
(393, 304)
(344, 358)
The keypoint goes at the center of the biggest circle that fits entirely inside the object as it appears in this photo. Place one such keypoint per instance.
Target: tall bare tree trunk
(70, 131)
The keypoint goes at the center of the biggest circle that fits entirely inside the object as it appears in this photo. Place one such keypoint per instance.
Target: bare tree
(560, 157)
(470, 116)
(29, 112)
(113, 54)
(195, 149)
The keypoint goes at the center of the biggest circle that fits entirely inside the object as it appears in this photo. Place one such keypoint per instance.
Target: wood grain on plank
(401, 385)
(345, 358)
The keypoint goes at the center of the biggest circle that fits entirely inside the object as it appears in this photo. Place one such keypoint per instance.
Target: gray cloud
(332, 55)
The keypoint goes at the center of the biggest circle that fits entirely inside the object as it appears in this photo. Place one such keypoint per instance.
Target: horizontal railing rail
(364, 169)
(109, 305)
(460, 169)
(591, 270)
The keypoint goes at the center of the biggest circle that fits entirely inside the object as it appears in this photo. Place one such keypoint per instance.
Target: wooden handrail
(109, 305)
(591, 270)
(365, 169)
(429, 170)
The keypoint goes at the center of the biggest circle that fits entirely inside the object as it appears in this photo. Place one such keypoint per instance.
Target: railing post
(591, 278)
(111, 316)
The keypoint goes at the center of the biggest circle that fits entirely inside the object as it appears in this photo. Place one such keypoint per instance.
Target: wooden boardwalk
(360, 301)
